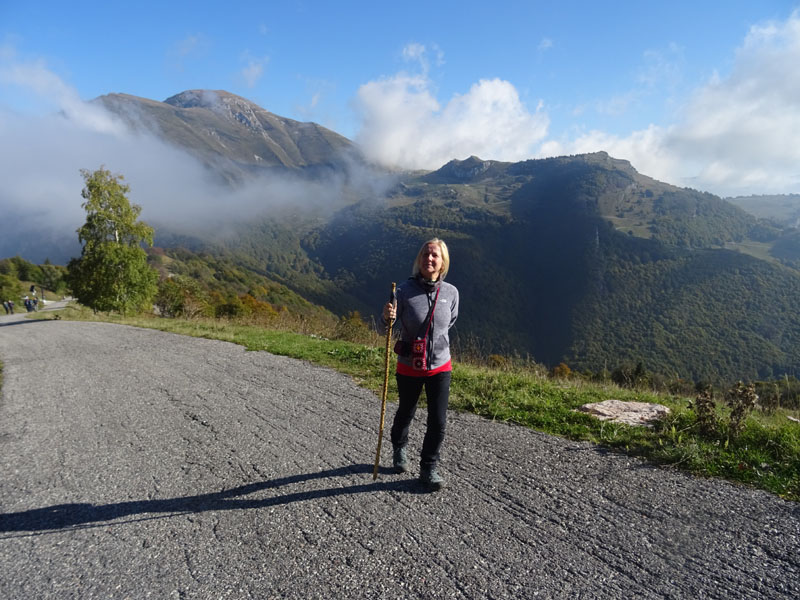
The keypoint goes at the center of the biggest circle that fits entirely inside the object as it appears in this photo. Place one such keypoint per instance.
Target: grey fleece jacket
(414, 300)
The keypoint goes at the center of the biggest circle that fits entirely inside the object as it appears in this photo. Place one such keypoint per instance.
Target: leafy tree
(112, 272)
(10, 288)
(181, 297)
(26, 271)
(8, 267)
(51, 277)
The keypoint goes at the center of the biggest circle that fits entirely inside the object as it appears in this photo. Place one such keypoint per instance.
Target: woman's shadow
(64, 516)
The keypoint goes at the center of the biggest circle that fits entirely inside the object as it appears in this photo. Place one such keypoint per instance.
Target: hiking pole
(393, 300)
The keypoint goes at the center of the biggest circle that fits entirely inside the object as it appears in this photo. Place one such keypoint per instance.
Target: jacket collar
(428, 286)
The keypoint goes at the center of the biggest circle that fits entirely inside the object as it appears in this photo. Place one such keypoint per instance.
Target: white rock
(629, 413)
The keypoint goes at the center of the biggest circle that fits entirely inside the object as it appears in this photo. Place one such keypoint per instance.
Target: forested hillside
(576, 259)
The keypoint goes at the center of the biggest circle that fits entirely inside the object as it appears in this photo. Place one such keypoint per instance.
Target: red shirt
(407, 370)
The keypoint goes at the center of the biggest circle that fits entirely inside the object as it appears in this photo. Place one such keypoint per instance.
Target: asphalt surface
(141, 464)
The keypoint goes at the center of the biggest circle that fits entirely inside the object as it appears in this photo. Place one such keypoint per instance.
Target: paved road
(140, 464)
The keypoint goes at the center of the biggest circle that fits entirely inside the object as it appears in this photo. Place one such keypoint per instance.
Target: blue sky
(704, 94)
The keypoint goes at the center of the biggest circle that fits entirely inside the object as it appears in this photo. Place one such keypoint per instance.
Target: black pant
(437, 392)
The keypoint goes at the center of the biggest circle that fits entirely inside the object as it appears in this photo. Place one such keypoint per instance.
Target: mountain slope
(545, 269)
(233, 135)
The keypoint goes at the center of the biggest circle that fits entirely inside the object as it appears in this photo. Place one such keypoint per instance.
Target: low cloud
(405, 126)
(42, 155)
(53, 93)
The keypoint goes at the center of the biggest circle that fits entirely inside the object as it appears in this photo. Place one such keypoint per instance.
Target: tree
(51, 277)
(112, 272)
(181, 297)
(10, 288)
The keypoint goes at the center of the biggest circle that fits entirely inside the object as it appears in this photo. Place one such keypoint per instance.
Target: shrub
(181, 297)
(705, 410)
(230, 308)
(769, 397)
(741, 399)
(561, 371)
(352, 328)
(623, 376)
(498, 361)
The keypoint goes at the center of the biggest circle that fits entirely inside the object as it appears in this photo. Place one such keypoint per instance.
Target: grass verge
(766, 454)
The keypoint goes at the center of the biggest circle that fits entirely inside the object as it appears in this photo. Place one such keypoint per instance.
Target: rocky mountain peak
(211, 99)
(465, 169)
(229, 106)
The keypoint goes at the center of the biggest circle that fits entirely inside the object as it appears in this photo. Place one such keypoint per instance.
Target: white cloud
(43, 83)
(617, 105)
(414, 51)
(438, 54)
(418, 54)
(192, 46)
(253, 71)
(750, 120)
(661, 69)
(404, 125)
(188, 45)
(645, 149)
(545, 44)
(735, 135)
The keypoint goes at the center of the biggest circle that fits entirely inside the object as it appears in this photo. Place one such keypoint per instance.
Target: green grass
(766, 454)
(758, 250)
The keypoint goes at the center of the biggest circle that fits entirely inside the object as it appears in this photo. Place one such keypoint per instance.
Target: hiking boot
(400, 459)
(431, 479)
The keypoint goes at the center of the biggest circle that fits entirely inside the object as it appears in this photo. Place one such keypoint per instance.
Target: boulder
(629, 413)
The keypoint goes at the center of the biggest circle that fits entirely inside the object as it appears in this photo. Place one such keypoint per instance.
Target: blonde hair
(445, 257)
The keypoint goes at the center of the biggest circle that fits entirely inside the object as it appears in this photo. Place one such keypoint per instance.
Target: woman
(426, 309)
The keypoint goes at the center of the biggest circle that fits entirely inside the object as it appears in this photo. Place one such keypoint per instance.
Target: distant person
(426, 309)
(11, 306)
(6, 307)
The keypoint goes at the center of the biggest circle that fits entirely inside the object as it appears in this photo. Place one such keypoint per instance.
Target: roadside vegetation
(718, 433)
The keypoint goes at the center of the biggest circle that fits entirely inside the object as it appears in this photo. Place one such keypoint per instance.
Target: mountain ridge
(233, 135)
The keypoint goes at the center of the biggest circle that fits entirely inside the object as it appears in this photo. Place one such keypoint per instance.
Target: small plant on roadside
(769, 398)
(705, 410)
(499, 362)
(741, 399)
(352, 328)
(561, 371)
